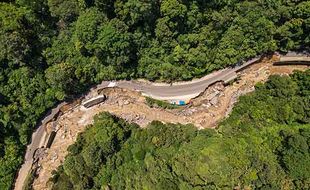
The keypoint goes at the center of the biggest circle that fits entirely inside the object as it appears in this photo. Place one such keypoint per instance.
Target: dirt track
(204, 111)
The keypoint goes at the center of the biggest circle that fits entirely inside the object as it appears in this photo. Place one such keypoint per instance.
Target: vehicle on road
(94, 101)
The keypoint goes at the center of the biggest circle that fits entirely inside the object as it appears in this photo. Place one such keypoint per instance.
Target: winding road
(181, 91)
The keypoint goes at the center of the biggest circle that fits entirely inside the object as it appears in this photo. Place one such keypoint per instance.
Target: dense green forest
(264, 144)
(52, 49)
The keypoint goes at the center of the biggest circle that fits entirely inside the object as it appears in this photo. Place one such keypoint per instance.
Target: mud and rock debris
(206, 111)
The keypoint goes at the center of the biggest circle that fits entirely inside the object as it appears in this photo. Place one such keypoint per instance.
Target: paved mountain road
(184, 91)
(179, 91)
(37, 141)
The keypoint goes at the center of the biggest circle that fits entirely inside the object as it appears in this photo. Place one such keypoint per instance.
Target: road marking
(112, 84)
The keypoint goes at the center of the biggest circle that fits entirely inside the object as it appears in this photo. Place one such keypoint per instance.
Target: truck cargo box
(94, 101)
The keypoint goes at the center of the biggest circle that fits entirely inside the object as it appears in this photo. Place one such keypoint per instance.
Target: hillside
(264, 144)
(53, 50)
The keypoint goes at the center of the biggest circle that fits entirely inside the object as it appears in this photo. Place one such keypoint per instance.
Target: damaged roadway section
(181, 91)
(204, 111)
(127, 102)
(173, 93)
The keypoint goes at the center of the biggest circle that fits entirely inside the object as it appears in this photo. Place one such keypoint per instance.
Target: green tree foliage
(174, 39)
(113, 44)
(61, 77)
(25, 95)
(294, 154)
(13, 34)
(103, 140)
(66, 10)
(260, 146)
(53, 49)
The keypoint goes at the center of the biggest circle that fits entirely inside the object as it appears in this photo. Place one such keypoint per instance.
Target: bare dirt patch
(206, 111)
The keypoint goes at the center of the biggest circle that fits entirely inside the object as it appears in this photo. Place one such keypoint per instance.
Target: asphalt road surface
(183, 91)
(186, 90)
(37, 141)
(173, 91)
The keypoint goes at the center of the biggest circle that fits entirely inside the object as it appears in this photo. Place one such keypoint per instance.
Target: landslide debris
(204, 111)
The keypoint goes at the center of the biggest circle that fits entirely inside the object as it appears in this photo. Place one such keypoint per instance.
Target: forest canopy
(51, 50)
(264, 144)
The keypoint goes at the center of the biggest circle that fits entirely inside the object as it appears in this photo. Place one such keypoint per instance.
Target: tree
(61, 77)
(136, 12)
(295, 156)
(51, 50)
(65, 10)
(14, 34)
(113, 45)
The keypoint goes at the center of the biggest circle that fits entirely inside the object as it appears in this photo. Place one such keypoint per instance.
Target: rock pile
(211, 96)
(134, 118)
(234, 99)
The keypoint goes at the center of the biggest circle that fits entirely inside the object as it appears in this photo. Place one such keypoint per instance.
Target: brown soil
(204, 112)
